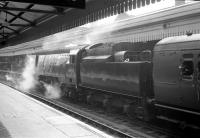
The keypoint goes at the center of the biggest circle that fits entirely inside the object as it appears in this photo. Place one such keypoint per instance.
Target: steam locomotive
(147, 79)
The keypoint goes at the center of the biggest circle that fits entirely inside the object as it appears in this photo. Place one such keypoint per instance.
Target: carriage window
(187, 68)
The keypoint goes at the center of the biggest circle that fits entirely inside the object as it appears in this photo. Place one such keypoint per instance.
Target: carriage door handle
(180, 67)
(198, 86)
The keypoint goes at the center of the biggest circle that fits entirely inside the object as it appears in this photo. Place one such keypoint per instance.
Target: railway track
(111, 123)
(84, 118)
(121, 121)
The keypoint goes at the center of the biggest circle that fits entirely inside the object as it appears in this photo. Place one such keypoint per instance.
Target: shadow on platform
(4, 132)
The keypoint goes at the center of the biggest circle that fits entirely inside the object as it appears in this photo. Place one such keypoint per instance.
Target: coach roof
(191, 41)
(179, 39)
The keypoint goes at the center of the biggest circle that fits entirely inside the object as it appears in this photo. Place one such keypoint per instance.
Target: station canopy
(18, 15)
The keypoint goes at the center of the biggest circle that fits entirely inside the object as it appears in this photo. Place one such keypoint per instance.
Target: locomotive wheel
(134, 110)
(89, 99)
(40, 87)
(81, 97)
(72, 95)
(107, 104)
(63, 90)
(129, 109)
(65, 93)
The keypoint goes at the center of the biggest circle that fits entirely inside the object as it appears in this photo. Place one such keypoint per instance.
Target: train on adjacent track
(148, 80)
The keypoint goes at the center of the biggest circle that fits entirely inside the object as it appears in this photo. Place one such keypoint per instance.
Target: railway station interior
(99, 69)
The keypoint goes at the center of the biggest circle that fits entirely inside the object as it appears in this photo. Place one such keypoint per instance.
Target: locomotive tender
(147, 79)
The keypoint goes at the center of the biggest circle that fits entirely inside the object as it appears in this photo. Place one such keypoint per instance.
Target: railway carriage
(176, 66)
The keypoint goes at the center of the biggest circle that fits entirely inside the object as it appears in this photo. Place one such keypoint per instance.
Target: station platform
(24, 117)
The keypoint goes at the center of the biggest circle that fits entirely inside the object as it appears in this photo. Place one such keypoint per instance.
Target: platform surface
(24, 117)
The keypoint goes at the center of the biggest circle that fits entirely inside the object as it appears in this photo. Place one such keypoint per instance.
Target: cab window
(187, 68)
(72, 59)
(131, 56)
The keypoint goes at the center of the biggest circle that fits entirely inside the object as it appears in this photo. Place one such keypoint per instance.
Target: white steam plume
(9, 78)
(52, 91)
(28, 76)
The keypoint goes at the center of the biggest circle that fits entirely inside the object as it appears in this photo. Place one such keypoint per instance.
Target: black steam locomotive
(147, 80)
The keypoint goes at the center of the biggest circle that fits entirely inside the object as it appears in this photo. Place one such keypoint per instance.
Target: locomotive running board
(178, 109)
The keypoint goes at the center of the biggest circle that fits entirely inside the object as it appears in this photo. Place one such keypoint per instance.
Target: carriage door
(198, 79)
(187, 80)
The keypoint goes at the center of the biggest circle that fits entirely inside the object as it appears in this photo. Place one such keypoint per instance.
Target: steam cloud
(9, 78)
(29, 80)
(52, 91)
(28, 76)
